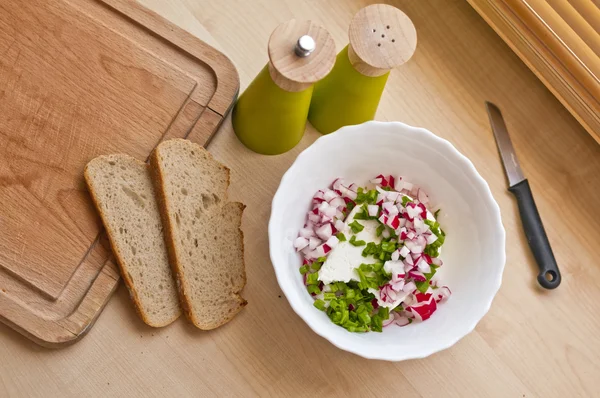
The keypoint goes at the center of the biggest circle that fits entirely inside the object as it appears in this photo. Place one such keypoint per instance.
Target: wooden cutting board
(81, 78)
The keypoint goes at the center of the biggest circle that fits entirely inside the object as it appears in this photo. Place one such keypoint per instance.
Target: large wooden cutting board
(80, 78)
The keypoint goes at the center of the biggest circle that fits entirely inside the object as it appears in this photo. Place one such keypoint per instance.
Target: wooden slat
(560, 42)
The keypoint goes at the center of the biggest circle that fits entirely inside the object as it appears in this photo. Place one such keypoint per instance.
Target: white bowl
(473, 254)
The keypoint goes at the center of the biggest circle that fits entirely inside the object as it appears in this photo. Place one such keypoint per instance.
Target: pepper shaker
(270, 116)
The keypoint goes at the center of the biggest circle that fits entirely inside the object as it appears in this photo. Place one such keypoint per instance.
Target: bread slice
(203, 232)
(123, 194)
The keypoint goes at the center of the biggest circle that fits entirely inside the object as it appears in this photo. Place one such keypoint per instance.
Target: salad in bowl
(386, 241)
(370, 254)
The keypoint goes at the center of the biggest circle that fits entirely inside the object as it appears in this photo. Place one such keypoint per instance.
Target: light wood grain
(296, 73)
(560, 41)
(532, 342)
(79, 79)
(381, 37)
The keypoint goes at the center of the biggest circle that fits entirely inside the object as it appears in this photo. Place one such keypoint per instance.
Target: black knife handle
(549, 276)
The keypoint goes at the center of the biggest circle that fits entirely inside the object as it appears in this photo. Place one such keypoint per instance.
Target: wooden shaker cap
(381, 38)
(293, 72)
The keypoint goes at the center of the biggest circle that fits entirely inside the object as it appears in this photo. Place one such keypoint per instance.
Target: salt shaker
(270, 116)
(381, 37)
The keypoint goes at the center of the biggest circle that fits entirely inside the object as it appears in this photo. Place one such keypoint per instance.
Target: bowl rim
(477, 179)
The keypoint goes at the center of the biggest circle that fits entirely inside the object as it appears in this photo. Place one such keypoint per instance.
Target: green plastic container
(345, 97)
(268, 119)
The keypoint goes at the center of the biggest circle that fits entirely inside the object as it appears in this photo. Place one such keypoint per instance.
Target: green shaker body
(345, 97)
(268, 119)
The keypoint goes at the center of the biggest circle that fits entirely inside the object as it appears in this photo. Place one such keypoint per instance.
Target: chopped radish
(300, 243)
(324, 232)
(431, 238)
(400, 320)
(396, 255)
(383, 219)
(339, 225)
(307, 232)
(404, 252)
(332, 242)
(373, 210)
(337, 202)
(437, 261)
(409, 287)
(417, 276)
(337, 184)
(387, 206)
(329, 194)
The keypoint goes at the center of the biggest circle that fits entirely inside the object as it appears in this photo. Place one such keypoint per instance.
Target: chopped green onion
(366, 267)
(312, 279)
(320, 304)
(380, 230)
(341, 237)
(333, 287)
(304, 269)
(316, 265)
(313, 289)
(355, 242)
(388, 247)
(405, 200)
(356, 227)
(350, 294)
(422, 286)
(437, 213)
(322, 259)
(328, 296)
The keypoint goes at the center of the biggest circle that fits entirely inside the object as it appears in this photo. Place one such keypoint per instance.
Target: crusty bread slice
(203, 232)
(123, 194)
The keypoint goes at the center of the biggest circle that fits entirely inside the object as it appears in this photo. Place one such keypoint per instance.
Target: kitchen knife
(549, 276)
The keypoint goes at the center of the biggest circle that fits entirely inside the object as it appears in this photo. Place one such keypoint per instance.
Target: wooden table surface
(531, 343)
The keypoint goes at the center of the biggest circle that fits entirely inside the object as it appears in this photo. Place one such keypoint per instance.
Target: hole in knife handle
(550, 276)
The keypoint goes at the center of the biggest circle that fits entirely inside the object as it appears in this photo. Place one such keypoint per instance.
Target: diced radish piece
(337, 202)
(381, 198)
(332, 242)
(437, 261)
(324, 219)
(313, 243)
(424, 310)
(404, 252)
(385, 234)
(409, 287)
(319, 195)
(378, 180)
(398, 285)
(423, 210)
(409, 260)
(411, 234)
(324, 232)
(443, 293)
(413, 245)
(315, 218)
(412, 211)
(307, 232)
(339, 214)
(394, 212)
(383, 219)
(423, 266)
(300, 243)
(337, 184)
(396, 255)
(392, 182)
(339, 225)
(320, 250)
(353, 187)
(323, 206)
(330, 212)
(390, 320)
(394, 267)
(373, 210)
(329, 194)
(417, 276)
(393, 222)
(387, 206)
(392, 196)
(400, 320)
(431, 238)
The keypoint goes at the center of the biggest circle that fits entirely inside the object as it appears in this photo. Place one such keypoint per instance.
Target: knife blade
(549, 276)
